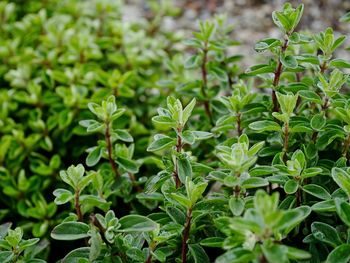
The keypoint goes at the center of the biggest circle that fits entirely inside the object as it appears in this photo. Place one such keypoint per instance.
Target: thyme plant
(123, 142)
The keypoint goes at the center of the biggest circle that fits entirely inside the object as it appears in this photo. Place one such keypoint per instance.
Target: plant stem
(185, 235)
(314, 136)
(237, 191)
(77, 205)
(274, 101)
(324, 107)
(325, 104)
(102, 231)
(278, 73)
(149, 258)
(262, 259)
(110, 150)
(178, 150)
(239, 127)
(151, 248)
(298, 197)
(133, 180)
(285, 141)
(205, 82)
(204, 70)
(323, 67)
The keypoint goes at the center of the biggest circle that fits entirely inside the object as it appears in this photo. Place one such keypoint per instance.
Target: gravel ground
(252, 18)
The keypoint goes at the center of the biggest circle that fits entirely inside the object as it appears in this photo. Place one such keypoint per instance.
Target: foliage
(123, 142)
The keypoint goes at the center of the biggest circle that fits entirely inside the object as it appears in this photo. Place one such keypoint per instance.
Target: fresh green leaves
(14, 247)
(332, 86)
(288, 18)
(70, 231)
(188, 155)
(327, 42)
(342, 178)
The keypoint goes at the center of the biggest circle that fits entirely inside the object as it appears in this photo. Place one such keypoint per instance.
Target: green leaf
(310, 96)
(212, 242)
(127, 164)
(62, 196)
(4, 229)
(201, 135)
(338, 42)
(136, 223)
(236, 205)
(79, 255)
(343, 210)
(188, 111)
(259, 69)
(70, 231)
(298, 254)
(237, 255)
(289, 61)
(291, 186)
(324, 206)
(340, 254)
(261, 126)
(317, 191)
(342, 178)
(291, 218)
(123, 135)
(136, 254)
(176, 214)
(6, 256)
(117, 114)
(345, 18)
(325, 233)
(187, 137)
(159, 254)
(163, 122)
(161, 143)
(182, 200)
(94, 156)
(339, 63)
(218, 73)
(267, 43)
(92, 125)
(254, 182)
(262, 170)
(281, 20)
(184, 168)
(318, 121)
(310, 172)
(195, 191)
(239, 223)
(275, 253)
(192, 62)
(95, 245)
(198, 254)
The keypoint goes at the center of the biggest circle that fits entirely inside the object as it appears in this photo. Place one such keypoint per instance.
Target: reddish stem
(323, 67)
(110, 150)
(77, 205)
(325, 104)
(205, 82)
(276, 79)
(178, 149)
(102, 231)
(149, 258)
(239, 127)
(185, 235)
(285, 141)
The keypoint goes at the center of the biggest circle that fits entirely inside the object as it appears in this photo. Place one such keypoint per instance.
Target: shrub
(122, 142)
